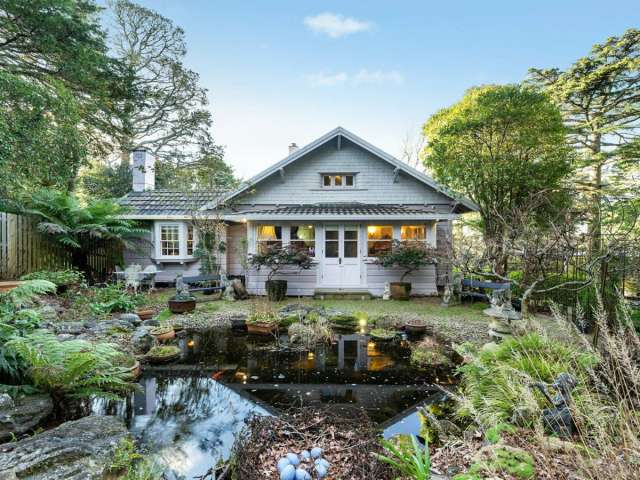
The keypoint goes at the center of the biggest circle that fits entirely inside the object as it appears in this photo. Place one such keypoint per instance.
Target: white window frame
(286, 233)
(333, 176)
(431, 229)
(182, 240)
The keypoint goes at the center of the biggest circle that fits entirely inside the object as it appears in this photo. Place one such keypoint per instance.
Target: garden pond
(188, 413)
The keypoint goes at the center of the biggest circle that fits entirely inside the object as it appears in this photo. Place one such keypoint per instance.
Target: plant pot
(6, 286)
(163, 334)
(182, 306)
(145, 313)
(135, 371)
(415, 327)
(400, 290)
(276, 290)
(162, 354)
(260, 328)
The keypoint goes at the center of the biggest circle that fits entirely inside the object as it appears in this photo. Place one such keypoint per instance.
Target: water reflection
(188, 422)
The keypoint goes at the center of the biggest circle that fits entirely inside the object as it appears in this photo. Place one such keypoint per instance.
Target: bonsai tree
(408, 256)
(276, 258)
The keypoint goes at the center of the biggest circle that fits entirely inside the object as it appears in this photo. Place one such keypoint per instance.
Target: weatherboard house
(339, 197)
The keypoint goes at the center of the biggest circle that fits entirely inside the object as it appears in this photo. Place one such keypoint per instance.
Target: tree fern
(73, 368)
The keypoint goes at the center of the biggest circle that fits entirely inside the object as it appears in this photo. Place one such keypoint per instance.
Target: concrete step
(342, 294)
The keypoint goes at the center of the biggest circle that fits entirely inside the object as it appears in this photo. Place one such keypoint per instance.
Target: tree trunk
(595, 214)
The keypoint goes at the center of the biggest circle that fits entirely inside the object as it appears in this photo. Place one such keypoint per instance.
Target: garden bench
(470, 286)
(195, 283)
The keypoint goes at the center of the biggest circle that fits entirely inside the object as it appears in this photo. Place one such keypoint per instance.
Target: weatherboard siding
(236, 249)
(374, 181)
(423, 281)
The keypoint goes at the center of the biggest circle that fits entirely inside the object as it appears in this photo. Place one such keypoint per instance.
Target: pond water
(189, 412)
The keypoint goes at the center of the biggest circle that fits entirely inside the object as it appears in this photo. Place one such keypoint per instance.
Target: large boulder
(70, 328)
(23, 415)
(78, 450)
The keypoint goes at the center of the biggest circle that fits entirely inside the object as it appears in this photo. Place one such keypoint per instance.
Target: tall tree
(599, 96)
(500, 145)
(168, 112)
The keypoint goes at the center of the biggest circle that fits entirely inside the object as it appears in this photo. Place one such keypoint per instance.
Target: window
(413, 233)
(350, 242)
(338, 181)
(379, 239)
(170, 240)
(303, 237)
(190, 240)
(331, 242)
(269, 236)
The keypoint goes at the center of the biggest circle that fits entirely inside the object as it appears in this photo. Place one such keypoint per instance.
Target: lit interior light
(310, 356)
(190, 343)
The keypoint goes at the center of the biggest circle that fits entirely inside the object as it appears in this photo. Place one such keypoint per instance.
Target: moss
(428, 357)
(161, 330)
(382, 334)
(163, 351)
(289, 320)
(164, 315)
(494, 434)
(503, 459)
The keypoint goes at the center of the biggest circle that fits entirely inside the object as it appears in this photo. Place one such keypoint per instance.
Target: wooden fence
(23, 249)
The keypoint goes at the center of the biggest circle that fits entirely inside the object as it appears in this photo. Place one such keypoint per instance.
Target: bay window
(170, 240)
(175, 240)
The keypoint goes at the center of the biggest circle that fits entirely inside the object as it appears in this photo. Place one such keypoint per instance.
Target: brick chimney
(144, 171)
(292, 148)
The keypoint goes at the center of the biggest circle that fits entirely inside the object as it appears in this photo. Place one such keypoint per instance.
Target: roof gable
(339, 133)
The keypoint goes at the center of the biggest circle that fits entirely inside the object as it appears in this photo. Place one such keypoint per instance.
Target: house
(339, 197)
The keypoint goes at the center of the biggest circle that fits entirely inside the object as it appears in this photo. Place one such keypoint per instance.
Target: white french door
(341, 266)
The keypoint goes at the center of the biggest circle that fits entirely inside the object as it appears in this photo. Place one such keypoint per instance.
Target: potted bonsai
(408, 256)
(275, 258)
(130, 363)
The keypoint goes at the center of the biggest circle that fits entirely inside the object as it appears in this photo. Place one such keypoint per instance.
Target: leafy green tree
(40, 142)
(77, 227)
(500, 145)
(599, 97)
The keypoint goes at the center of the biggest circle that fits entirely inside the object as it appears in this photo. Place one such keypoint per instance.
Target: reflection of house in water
(352, 352)
(144, 401)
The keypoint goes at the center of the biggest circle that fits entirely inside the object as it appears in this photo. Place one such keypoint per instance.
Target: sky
(289, 71)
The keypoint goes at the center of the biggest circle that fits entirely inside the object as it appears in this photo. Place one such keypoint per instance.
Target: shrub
(59, 277)
(409, 256)
(499, 378)
(128, 464)
(411, 461)
(270, 318)
(74, 368)
(113, 298)
(275, 258)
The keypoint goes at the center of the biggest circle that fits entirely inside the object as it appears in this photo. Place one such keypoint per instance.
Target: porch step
(341, 294)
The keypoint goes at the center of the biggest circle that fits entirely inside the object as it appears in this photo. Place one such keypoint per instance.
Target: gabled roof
(167, 203)
(467, 204)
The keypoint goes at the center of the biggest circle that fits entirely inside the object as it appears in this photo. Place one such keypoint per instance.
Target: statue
(182, 289)
(501, 306)
(386, 295)
(452, 294)
(558, 419)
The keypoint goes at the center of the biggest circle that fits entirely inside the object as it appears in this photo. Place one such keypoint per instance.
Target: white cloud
(327, 80)
(357, 79)
(335, 25)
(377, 77)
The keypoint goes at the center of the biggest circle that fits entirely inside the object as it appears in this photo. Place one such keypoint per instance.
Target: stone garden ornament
(558, 419)
(501, 306)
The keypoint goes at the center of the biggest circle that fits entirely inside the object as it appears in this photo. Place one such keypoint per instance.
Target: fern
(75, 368)
(25, 293)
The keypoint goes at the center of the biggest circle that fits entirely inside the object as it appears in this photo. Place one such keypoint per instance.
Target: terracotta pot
(276, 290)
(400, 290)
(163, 337)
(182, 306)
(262, 328)
(163, 358)
(145, 313)
(136, 370)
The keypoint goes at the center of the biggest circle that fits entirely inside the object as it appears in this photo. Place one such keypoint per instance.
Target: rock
(297, 309)
(523, 416)
(23, 415)
(70, 328)
(131, 318)
(239, 289)
(63, 337)
(48, 313)
(112, 326)
(150, 323)
(78, 450)
(142, 341)
(6, 402)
